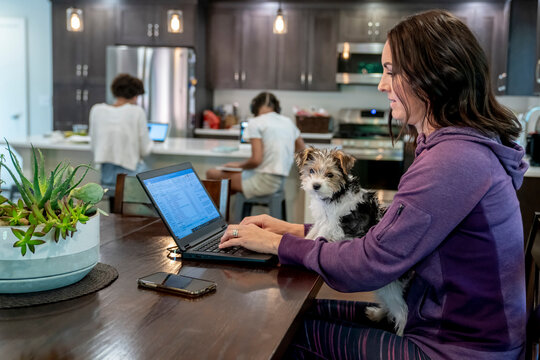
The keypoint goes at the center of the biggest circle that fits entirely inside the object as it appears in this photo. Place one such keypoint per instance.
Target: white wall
(37, 14)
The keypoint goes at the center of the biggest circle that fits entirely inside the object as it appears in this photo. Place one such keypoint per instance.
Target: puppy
(343, 210)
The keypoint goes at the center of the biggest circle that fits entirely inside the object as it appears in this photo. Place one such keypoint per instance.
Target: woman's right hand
(274, 225)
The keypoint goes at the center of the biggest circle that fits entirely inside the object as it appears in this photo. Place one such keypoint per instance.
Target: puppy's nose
(316, 186)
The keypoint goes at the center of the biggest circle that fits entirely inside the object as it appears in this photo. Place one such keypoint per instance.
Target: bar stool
(275, 203)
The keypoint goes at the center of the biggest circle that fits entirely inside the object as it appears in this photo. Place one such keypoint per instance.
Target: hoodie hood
(511, 157)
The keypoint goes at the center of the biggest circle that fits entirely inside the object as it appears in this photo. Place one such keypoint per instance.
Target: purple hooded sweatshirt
(455, 220)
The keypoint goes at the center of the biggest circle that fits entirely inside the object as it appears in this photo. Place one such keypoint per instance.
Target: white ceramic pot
(53, 265)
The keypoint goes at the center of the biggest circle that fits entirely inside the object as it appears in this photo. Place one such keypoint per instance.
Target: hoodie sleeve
(436, 193)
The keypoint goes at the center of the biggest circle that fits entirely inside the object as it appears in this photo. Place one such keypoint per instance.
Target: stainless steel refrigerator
(168, 74)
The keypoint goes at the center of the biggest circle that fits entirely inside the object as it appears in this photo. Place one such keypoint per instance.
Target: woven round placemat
(99, 277)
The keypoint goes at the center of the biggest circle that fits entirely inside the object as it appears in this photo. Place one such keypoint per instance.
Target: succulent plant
(48, 203)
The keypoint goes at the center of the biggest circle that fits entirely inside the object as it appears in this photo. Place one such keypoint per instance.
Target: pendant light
(175, 21)
(280, 25)
(74, 20)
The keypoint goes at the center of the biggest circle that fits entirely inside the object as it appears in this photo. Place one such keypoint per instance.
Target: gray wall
(37, 15)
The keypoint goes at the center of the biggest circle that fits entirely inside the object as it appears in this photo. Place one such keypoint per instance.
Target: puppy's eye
(330, 175)
(311, 171)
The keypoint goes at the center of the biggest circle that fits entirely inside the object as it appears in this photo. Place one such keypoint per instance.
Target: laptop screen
(157, 131)
(182, 201)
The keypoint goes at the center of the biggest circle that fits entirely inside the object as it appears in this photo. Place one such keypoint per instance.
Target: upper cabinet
(245, 53)
(242, 49)
(79, 61)
(307, 52)
(148, 25)
(369, 24)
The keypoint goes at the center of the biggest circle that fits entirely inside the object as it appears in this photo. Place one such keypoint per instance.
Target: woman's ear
(345, 161)
(303, 156)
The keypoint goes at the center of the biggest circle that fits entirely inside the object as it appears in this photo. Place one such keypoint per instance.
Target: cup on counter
(80, 129)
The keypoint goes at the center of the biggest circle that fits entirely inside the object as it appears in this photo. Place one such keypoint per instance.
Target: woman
(274, 139)
(454, 223)
(119, 132)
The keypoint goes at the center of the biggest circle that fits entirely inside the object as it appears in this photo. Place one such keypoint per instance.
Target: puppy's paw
(400, 322)
(375, 313)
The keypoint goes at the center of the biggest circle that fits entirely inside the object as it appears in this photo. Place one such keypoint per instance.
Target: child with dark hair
(274, 139)
(119, 132)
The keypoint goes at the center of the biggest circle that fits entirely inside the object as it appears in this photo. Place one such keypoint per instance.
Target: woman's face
(416, 106)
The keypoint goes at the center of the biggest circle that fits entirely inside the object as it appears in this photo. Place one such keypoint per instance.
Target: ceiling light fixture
(74, 20)
(175, 21)
(280, 25)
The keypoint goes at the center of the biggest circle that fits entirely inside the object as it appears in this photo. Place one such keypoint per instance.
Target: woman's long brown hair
(438, 58)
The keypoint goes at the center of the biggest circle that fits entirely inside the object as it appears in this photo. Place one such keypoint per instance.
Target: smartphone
(177, 284)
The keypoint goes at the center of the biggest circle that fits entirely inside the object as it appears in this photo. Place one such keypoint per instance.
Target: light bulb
(175, 23)
(280, 24)
(346, 51)
(75, 22)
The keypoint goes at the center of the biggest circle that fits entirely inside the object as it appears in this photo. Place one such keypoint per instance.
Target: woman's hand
(251, 237)
(274, 225)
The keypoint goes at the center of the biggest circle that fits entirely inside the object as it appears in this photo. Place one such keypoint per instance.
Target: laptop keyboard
(212, 246)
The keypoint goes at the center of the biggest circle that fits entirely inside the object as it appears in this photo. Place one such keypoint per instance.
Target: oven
(363, 133)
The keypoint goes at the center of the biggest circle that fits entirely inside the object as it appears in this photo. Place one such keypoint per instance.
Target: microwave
(359, 63)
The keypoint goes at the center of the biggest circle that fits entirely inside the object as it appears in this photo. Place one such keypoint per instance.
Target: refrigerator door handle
(147, 79)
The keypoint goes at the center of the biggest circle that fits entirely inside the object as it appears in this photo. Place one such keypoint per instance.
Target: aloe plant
(49, 203)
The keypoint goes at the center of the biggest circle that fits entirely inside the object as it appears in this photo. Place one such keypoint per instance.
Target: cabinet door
(258, 50)
(293, 52)
(322, 55)
(185, 38)
(355, 26)
(67, 49)
(537, 65)
(224, 49)
(92, 94)
(99, 33)
(386, 19)
(135, 25)
(67, 104)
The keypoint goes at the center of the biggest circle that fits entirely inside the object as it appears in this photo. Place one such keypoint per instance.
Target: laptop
(191, 216)
(158, 132)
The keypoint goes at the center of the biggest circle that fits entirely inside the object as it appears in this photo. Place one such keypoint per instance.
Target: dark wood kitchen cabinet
(139, 24)
(79, 61)
(306, 58)
(242, 50)
(368, 24)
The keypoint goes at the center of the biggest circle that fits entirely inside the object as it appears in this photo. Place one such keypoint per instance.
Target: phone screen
(177, 283)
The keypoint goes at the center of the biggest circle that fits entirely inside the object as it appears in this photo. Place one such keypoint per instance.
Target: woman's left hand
(251, 237)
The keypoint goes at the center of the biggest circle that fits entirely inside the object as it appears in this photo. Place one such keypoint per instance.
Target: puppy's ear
(303, 156)
(346, 161)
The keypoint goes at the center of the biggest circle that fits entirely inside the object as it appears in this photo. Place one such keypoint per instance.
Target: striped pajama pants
(335, 329)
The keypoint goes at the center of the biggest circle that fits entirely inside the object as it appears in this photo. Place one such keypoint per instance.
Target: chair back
(131, 199)
(532, 268)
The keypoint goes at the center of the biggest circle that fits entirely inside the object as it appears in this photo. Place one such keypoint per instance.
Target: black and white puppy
(343, 210)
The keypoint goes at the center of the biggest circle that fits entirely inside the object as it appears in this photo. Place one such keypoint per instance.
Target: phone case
(152, 285)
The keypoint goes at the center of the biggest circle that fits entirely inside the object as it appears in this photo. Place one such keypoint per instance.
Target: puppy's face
(323, 172)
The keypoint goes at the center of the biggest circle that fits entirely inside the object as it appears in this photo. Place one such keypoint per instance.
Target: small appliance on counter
(363, 133)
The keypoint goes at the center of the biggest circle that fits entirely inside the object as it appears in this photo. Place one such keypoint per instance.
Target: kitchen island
(202, 153)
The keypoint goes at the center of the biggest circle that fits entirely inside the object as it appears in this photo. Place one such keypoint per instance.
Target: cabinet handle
(78, 95)
(156, 30)
(78, 70)
(149, 30)
(538, 72)
(501, 82)
(243, 76)
(85, 95)
(303, 78)
(85, 70)
(236, 76)
(309, 79)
